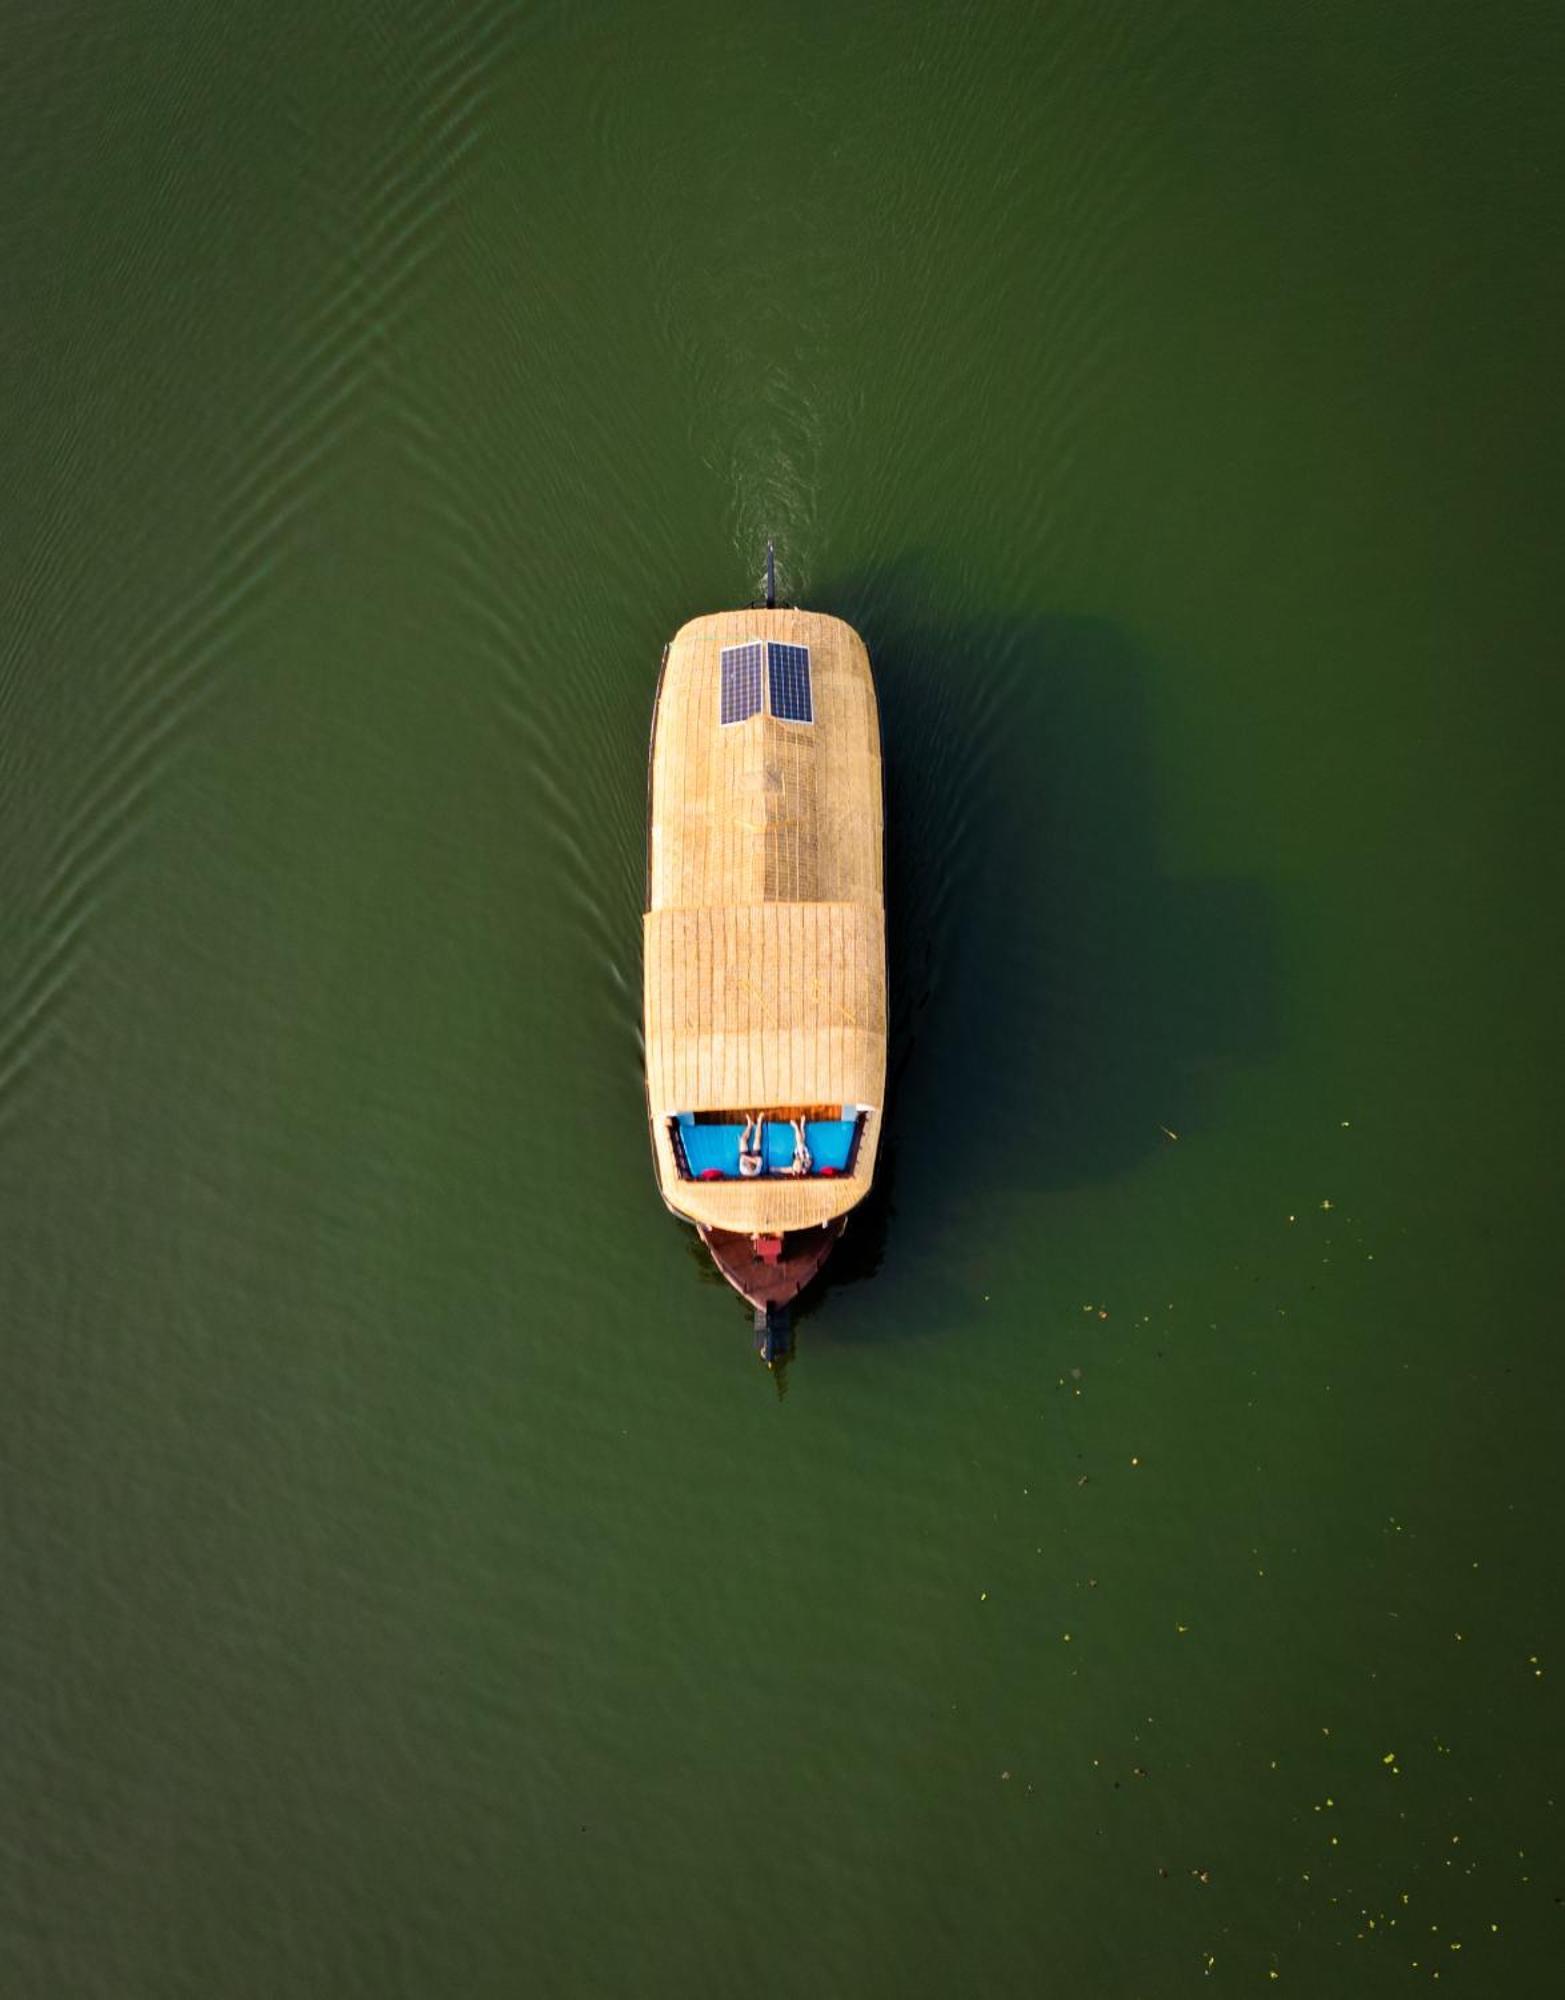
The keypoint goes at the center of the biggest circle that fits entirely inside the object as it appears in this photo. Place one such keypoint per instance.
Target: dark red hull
(766, 1285)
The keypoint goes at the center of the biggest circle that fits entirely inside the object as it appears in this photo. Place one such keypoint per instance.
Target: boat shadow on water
(1060, 1003)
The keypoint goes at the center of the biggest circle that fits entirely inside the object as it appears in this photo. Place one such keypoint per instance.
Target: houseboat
(764, 946)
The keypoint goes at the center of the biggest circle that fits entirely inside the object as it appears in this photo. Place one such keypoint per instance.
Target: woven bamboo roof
(764, 947)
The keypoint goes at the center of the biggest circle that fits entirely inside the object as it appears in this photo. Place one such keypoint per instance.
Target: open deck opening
(715, 1145)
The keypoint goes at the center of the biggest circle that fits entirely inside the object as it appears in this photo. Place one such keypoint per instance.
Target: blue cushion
(779, 1146)
(830, 1141)
(711, 1146)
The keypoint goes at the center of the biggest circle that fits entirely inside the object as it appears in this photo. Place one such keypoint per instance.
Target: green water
(412, 1584)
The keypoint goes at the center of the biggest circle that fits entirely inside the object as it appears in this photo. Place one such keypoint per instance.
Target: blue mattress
(779, 1148)
(710, 1146)
(830, 1141)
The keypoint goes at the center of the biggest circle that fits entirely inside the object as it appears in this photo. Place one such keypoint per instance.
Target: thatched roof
(765, 956)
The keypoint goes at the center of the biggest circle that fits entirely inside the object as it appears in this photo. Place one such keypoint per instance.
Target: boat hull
(769, 1286)
(763, 949)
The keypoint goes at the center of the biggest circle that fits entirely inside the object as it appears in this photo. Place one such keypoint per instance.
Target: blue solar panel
(741, 681)
(788, 669)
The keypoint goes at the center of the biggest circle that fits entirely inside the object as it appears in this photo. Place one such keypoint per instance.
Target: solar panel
(741, 681)
(788, 669)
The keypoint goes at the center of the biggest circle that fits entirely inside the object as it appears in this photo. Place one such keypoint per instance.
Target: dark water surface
(1148, 1584)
